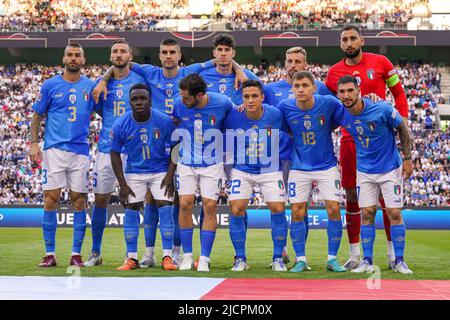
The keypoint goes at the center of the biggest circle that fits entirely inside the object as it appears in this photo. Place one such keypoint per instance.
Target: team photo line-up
(170, 131)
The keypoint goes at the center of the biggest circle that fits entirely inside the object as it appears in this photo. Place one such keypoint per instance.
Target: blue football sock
(131, 229)
(238, 235)
(207, 242)
(398, 234)
(367, 240)
(79, 230)
(279, 233)
(306, 220)
(298, 237)
(166, 226)
(176, 230)
(334, 231)
(99, 216)
(151, 219)
(49, 224)
(186, 239)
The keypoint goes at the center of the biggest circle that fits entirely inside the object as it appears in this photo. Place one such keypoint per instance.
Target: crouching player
(144, 133)
(379, 166)
(311, 118)
(255, 139)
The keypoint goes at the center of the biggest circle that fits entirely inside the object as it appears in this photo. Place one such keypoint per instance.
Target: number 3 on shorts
(44, 176)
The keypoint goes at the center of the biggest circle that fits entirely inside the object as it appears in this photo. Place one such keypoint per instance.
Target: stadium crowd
(143, 15)
(21, 184)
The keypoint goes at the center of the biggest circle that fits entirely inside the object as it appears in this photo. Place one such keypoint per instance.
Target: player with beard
(163, 83)
(380, 167)
(66, 100)
(373, 73)
(116, 104)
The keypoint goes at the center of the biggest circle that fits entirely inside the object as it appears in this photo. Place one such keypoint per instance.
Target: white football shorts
(62, 168)
(328, 183)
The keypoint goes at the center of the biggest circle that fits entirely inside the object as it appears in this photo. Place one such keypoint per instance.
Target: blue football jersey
(117, 103)
(224, 83)
(144, 142)
(275, 92)
(259, 145)
(312, 132)
(68, 106)
(165, 90)
(373, 132)
(200, 132)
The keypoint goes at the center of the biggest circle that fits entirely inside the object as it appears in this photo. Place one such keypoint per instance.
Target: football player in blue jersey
(275, 92)
(311, 119)
(200, 116)
(222, 79)
(379, 167)
(110, 109)
(295, 61)
(163, 82)
(257, 145)
(144, 134)
(66, 100)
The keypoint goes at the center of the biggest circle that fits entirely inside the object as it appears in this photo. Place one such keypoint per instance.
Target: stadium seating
(143, 15)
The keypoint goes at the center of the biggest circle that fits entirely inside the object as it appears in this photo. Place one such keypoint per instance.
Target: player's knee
(79, 203)
(298, 213)
(351, 195)
(186, 204)
(102, 200)
(395, 216)
(334, 211)
(368, 215)
(238, 210)
(276, 207)
(209, 207)
(51, 202)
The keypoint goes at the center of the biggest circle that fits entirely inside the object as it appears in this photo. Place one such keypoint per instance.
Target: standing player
(200, 116)
(66, 100)
(311, 119)
(114, 106)
(222, 79)
(379, 166)
(373, 72)
(275, 92)
(257, 161)
(163, 82)
(144, 134)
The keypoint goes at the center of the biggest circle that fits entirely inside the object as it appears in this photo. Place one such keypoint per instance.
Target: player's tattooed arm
(125, 190)
(405, 140)
(101, 86)
(35, 150)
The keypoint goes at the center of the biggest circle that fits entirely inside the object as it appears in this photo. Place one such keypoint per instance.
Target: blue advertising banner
(258, 218)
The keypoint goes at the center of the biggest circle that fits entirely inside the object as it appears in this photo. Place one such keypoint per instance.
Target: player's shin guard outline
(131, 230)
(79, 230)
(279, 233)
(49, 224)
(166, 226)
(99, 217)
(398, 238)
(238, 235)
(151, 219)
(368, 239)
(334, 231)
(298, 232)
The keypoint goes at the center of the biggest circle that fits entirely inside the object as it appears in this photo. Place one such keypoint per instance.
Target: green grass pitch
(427, 254)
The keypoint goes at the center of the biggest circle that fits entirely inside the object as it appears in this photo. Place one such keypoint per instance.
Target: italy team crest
(371, 74)
(86, 95)
(321, 120)
(397, 189)
(212, 120)
(156, 133)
